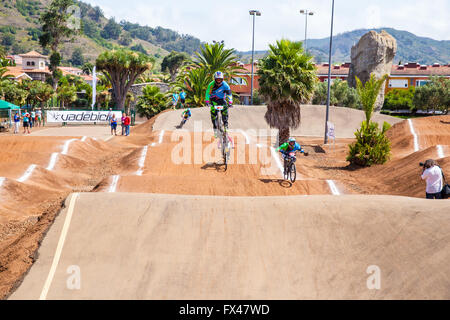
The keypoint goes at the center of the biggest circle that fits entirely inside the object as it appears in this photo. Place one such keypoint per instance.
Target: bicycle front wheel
(293, 172)
(287, 172)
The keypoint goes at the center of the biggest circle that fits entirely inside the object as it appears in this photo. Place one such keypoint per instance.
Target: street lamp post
(306, 13)
(253, 13)
(329, 76)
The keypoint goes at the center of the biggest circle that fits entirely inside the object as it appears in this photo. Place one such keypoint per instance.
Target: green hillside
(20, 30)
(410, 48)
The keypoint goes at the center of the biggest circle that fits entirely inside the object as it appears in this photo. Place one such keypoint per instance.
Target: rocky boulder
(373, 53)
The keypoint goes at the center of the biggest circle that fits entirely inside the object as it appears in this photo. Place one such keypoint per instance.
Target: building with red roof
(401, 77)
(34, 66)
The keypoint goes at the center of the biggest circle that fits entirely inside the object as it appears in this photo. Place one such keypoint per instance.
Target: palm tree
(151, 102)
(194, 82)
(66, 94)
(214, 57)
(368, 93)
(287, 79)
(87, 68)
(371, 145)
(2, 72)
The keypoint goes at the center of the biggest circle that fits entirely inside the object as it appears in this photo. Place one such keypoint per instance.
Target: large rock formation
(373, 53)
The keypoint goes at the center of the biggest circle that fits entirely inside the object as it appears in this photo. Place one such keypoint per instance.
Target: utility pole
(329, 76)
(253, 13)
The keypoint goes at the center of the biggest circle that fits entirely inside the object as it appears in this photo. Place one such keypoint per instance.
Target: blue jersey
(175, 97)
(286, 148)
(183, 95)
(221, 92)
(187, 112)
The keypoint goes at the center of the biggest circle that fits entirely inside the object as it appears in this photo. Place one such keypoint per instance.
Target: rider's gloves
(207, 103)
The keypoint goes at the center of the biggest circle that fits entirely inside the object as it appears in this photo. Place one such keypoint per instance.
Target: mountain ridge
(410, 48)
(20, 29)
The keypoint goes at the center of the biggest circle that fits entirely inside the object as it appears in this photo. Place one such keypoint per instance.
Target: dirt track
(150, 246)
(91, 164)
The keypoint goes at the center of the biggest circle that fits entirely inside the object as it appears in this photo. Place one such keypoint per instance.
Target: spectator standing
(39, 116)
(175, 97)
(113, 123)
(110, 113)
(432, 174)
(32, 116)
(182, 98)
(127, 125)
(124, 116)
(16, 122)
(26, 123)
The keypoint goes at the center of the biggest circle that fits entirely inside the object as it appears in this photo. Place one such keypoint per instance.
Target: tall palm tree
(194, 82)
(214, 57)
(287, 78)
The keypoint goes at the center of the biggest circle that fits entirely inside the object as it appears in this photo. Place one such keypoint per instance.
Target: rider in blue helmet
(290, 146)
(219, 92)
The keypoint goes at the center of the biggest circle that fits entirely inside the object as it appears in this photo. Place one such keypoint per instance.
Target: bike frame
(223, 135)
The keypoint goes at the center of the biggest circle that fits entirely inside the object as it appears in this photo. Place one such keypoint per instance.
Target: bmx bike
(183, 121)
(222, 136)
(290, 171)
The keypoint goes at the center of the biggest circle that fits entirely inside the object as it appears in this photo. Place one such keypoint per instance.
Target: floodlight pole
(253, 13)
(329, 76)
(306, 13)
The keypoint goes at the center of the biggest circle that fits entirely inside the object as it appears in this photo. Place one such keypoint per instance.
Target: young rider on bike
(186, 114)
(290, 146)
(219, 92)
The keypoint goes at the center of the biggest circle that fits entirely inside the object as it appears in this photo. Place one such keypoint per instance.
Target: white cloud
(230, 20)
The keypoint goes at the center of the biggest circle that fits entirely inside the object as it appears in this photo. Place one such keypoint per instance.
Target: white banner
(82, 116)
(330, 130)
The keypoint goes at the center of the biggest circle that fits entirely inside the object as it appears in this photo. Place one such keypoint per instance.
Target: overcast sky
(229, 20)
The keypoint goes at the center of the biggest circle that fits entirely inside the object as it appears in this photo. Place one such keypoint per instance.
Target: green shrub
(8, 40)
(399, 99)
(371, 146)
(139, 48)
(341, 94)
(151, 102)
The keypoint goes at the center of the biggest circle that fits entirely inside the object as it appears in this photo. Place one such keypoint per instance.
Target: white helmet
(218, 75)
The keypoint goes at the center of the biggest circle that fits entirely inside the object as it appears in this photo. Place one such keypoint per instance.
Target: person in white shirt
(432, 174)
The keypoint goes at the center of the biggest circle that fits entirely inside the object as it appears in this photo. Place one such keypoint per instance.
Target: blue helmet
(292, 140)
